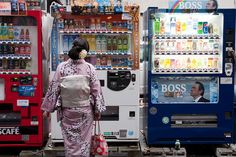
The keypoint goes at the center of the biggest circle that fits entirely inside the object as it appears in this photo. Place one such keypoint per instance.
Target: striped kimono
(76, 122)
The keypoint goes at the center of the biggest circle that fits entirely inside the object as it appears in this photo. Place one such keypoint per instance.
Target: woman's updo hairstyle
(79, 44)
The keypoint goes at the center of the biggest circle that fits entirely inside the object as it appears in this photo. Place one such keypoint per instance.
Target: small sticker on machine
(23, 103)
(226, 80)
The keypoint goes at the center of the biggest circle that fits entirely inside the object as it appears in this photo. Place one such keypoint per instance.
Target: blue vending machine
(190, 77)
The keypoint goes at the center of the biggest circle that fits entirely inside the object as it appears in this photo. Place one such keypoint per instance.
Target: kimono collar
(79, 61)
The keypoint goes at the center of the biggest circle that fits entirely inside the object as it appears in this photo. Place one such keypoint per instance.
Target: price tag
(5, 8)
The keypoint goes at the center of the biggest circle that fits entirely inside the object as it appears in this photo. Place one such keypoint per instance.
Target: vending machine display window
(187, 43)
(18, 48)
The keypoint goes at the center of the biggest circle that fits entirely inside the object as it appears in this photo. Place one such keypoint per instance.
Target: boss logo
(173, 88)
(190, 5)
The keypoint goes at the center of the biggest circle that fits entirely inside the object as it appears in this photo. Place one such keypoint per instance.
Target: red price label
(5, 8)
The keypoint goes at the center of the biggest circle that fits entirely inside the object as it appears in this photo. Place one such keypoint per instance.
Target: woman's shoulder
(90, 66)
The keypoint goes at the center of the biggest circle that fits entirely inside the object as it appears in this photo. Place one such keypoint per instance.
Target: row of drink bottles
(7, 48)
(94, 24)
(187, 45)
(111, 61)
(13, 64)
(190, 26)
(186, 63)
(10, 32)
(18, 6)
(100, 43)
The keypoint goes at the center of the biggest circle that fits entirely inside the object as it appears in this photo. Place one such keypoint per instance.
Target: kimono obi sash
(75, 91)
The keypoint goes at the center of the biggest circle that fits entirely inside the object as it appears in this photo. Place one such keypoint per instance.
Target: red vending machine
(21, 83)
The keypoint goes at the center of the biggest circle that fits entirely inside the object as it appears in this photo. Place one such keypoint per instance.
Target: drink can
(205, 27)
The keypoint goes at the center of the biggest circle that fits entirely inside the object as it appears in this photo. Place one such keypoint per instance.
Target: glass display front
(184, 90)
(187, 43)
(18, 45)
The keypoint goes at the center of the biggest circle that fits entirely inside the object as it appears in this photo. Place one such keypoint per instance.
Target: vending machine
(190, 77)
(113, 36)
(21, 83)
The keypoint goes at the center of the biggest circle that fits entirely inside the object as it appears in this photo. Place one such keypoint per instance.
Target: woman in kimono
(75, 92)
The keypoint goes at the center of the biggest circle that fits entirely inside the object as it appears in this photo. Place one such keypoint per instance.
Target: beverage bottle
(4, 63)
(1, 48)
(215, 29)
(194, 63)
(22, 7)
(189, 63)
(200, 27)
(10, 64)
(194, 45)
(205, 27)
(109, 61)
(98, 61)
(189, 26)
(71, 25)
(98, 43)
(1, 31)
(210, 62)
(16, 33)
(173, 25)
(210, 29)
(27, 49)
(195, 26)
(17, 49)
(98, 24)
(1, 67)
(22, 49)
(11, 31)
(11, 49)
(23, 64)
(119, 44)
(93, 43)
(125, 43)
(27, 35)
(109, 43)
(157, 26)
(14, 7)
(103, 60)
(178, 45)
(178, 27)
(66, 25)
(22, 34)
(5, 48)
(215, 65)
(17, 64)
(167, 26)
(93, 24)
(104, 44)
(162, 31)
(114, 43)
(184, 27)
(5, 31)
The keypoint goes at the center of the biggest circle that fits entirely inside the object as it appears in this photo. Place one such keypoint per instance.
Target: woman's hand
(97, 116)
(45, 114)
